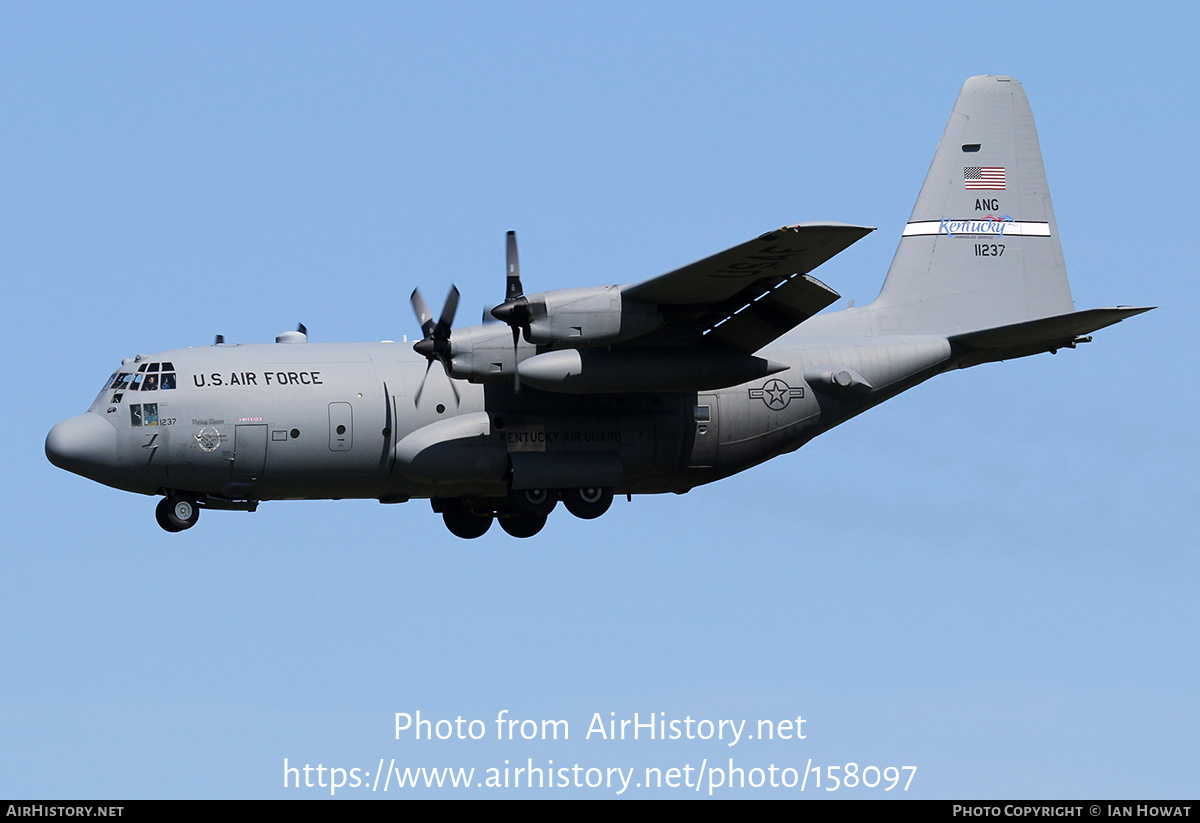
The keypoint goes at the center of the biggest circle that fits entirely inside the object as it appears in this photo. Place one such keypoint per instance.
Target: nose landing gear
(176, 513)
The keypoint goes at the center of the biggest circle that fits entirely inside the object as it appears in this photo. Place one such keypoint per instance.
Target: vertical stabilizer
(981, 248)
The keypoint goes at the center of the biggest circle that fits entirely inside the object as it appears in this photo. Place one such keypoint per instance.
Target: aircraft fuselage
(312, 421)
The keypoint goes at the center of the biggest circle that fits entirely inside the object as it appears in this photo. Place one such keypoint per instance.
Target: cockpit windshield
(146, 377)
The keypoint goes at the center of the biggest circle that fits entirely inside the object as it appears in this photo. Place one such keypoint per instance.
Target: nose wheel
(176, 513)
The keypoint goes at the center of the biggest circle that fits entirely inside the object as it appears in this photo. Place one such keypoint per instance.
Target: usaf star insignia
(776, 394)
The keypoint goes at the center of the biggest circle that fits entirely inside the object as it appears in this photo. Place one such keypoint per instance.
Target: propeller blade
(424, 317)
(442, 330)
(513, 288)
(421, 388)
(446, 365)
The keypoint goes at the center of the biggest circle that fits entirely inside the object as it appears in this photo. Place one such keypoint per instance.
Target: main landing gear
(177, 512)
(464, 522)
(468, 523)
(525, 512)
(587, 504)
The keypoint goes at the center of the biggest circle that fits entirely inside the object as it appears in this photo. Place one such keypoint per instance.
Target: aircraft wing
(748, 295)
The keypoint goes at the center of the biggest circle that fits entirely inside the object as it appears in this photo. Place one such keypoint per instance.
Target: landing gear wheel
(160, 514)
(464, 523)
(176, 513)
(587, 503)
(518, 525)
(532, 503)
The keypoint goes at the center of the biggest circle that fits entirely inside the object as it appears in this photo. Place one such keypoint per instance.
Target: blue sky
(990, 578)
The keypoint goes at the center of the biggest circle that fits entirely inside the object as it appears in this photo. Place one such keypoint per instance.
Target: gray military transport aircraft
(581, 393)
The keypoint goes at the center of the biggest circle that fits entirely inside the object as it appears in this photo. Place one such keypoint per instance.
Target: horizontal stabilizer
(1037, 336)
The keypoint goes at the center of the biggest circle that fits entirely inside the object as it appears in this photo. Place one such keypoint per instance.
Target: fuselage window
(116, 398)
(135, 414)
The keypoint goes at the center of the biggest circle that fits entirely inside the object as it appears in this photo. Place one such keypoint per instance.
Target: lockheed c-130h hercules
(579, 394)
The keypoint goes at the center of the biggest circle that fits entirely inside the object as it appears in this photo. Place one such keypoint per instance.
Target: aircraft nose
(82, 444)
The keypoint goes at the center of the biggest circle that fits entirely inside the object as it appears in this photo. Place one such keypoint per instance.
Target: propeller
(435, 345)
(515, 309)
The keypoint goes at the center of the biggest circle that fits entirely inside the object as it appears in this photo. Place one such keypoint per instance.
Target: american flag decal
(984, 177)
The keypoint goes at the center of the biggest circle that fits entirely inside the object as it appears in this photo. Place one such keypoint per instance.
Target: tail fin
(981, 248)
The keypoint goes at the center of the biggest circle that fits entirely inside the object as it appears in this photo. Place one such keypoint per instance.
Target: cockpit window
(148, 378)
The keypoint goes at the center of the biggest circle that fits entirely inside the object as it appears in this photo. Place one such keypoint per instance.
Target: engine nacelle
(560, 319)
(579, 318)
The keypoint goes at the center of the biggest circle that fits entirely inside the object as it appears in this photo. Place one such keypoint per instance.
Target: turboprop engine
(585, 317)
